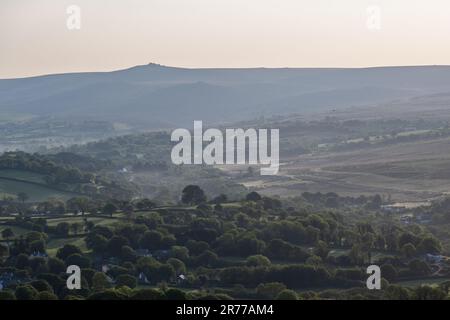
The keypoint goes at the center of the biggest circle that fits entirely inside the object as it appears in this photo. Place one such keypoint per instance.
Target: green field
(17, 230)
(22, 175)
(80, 219)
(29, 185)
(54, 244)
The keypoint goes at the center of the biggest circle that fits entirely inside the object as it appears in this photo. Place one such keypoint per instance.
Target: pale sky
(117, 34)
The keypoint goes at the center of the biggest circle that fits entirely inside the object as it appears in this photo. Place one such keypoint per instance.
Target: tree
(88, 225)
(355, 255)
(253, 196)
(126, 280)
(163, 272)
(151, 240)
(75, 227)
(321, 249)
(128, 210)
(408, 237)
(145, 204)
(222, 198)
(67, 251)
(193, 194)
(376, 202)
(97, 243)
(46, 295)
(56, 265)
(109, 209)
(249, 244)
(179, 252)
(3, 251)
(52, 206)
(177, 265)
(127, 253)
(100, 281)
(419, 267)
(394, 292)
(314, 260)
(78, 204)
(7, 234)
(258, 260)
(332, 202)
(389, 272)
(175, 294)
(114, 247)
(22, 196)
(41, 285)
(287, 294)
(110, 294)
(270, 290)
(147, 294)
(26, 292)
(409, 250)
(207, 259)
(430, 245)
(78, 260)
(62, 229)
(425, 292)
(22, 261)
(196, 247)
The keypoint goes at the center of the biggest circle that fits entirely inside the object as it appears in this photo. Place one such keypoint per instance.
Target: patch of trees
(261, 247)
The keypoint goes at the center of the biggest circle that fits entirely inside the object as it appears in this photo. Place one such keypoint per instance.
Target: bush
(126, 280)
(175, 294)
(147, 294)
(109, 294)
(26, 292)
(287, 295)
(258, 260)
(270, 290)
(46, 295)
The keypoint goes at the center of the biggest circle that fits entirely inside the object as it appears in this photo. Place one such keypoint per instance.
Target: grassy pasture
(34, 191)
(22, 175)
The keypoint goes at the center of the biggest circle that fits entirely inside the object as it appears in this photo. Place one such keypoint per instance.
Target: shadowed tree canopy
(193, 194)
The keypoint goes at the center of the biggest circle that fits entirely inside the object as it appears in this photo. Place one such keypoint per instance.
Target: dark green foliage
(67, 251)
(175, 294)
(126, 280)
(26, 292)
(147, 294)
(253, 196)
(263, 248)
(193, 195)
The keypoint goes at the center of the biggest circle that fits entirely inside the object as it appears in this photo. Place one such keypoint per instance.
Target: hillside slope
(157, 96)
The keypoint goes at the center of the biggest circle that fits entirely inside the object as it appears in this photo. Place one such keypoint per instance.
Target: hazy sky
(115, 34)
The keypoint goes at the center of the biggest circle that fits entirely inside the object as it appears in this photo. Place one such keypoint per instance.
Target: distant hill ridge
(158, 96)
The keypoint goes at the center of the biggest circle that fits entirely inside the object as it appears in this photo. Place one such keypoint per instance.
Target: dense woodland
(314, 246)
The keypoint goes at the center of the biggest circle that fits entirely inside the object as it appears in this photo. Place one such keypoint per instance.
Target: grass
(18, 231)
(22, 175)
(35, 192)
(54, 244)
(80, 219)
